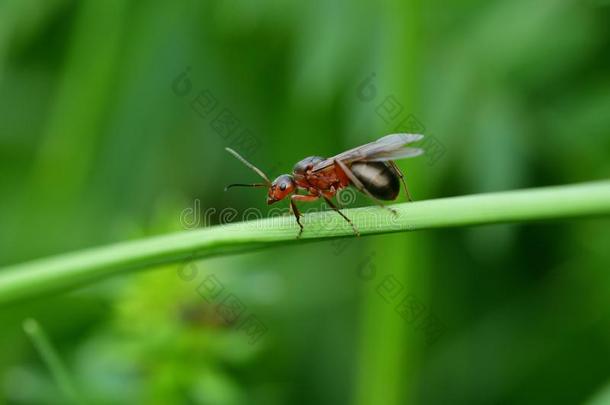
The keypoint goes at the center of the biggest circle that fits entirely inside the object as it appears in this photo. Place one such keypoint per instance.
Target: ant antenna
(245, 185)
(251, 166)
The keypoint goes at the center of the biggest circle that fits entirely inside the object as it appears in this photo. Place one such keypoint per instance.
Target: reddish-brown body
(370, 168)
(327, 181)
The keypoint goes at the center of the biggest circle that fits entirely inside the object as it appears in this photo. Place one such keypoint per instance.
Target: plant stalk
(35, 278)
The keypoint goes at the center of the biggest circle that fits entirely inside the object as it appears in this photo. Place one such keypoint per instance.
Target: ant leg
(332, 193)
(398, 172)
(360, 186)
(297, 215)
(295, 209)
(349, 221)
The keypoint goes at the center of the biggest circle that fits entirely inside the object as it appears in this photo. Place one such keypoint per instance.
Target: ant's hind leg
(349, 221)
(352, 177)
(398, 172)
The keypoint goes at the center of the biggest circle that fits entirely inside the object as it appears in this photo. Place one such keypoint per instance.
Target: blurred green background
(113, 119)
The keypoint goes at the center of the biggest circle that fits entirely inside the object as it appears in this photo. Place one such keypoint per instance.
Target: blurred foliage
(102, 139)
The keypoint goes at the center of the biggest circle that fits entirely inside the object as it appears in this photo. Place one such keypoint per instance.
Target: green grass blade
(51, 358)
(42, 276)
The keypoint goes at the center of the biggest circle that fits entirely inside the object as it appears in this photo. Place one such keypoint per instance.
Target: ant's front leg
(295, 209)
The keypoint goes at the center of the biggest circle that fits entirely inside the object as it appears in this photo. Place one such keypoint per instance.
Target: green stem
(42, 276)
(51, 358)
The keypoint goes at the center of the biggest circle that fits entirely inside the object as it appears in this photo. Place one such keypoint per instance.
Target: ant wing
(397, 154)
(390, 147)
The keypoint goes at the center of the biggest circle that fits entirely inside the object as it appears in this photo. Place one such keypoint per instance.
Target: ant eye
(283, 186)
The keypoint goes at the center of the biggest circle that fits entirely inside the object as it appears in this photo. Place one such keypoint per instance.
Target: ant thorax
(306, 164)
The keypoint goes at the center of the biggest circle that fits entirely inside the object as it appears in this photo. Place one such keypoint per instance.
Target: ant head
(280, 188)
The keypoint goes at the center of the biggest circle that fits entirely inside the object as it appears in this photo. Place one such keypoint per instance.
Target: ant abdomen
(378, 179)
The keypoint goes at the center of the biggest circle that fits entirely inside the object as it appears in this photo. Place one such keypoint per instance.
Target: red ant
(370, 168)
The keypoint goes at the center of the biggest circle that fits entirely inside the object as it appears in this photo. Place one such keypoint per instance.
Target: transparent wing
(397, 154)
(390, 147)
